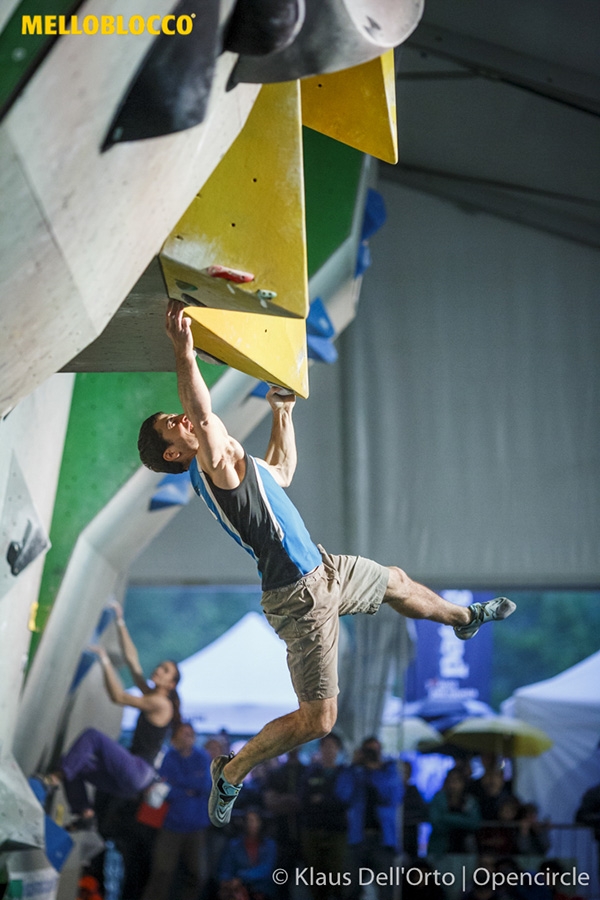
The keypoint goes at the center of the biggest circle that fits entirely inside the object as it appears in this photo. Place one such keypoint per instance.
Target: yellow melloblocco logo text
(107, 24)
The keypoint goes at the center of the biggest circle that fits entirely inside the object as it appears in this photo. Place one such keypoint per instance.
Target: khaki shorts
(306, 616)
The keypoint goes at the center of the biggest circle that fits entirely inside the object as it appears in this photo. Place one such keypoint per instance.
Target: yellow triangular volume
(271, 348)
(249, 216)
(356, 106)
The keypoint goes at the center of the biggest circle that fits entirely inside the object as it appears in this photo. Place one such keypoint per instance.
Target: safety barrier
(573, 845)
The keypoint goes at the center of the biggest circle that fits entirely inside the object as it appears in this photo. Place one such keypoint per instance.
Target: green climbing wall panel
(331, 178)
(99, 457)
(20, 54)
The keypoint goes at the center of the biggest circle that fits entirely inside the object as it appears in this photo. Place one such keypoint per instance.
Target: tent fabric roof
(579, 685)
(567, 708)
(246, 665)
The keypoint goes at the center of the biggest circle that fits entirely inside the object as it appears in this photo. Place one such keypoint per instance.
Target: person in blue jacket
(248, 860)
(186, 768)
(373, 788)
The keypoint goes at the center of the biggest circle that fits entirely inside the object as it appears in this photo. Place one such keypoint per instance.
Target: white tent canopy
(239, 682)
(567, 708)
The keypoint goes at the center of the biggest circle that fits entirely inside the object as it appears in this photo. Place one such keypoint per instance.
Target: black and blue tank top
(259, 515)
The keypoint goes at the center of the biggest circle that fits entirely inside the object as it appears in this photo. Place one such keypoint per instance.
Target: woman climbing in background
(101, 761)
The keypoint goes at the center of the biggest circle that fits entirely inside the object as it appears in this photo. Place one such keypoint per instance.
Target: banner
(447, 669)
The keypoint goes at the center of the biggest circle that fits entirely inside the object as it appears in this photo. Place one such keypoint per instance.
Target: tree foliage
(549, 632)
(173, 622)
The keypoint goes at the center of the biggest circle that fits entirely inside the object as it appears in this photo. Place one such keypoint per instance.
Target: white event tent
(567, 708)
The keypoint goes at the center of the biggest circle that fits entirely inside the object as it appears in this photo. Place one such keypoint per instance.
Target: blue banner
(446, 669)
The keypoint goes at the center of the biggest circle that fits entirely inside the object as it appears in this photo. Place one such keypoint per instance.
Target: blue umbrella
(446, 713)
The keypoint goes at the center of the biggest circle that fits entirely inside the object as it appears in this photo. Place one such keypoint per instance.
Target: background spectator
(500, 838)
(373, 789)
(282, 801)
(418, 882)
(249, 861)
(323, 817)
(489, 791)
(521, 890)
(532, 835)
(414, 811)
(215, 838)
(589, 813)
(553, 869)
(455, 817)
(481, 888)
(181, 839)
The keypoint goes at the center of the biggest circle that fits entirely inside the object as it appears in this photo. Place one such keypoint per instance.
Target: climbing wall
(356, 106)
(78, 227)
(279, 205)
(28, 480)
(100, 455)
(238, 256)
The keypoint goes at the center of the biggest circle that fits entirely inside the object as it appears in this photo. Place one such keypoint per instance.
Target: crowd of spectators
(323, 822)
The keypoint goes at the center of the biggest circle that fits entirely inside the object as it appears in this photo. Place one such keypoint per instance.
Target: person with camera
(373, 789)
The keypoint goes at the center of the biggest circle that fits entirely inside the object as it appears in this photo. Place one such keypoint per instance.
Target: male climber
(305, 589)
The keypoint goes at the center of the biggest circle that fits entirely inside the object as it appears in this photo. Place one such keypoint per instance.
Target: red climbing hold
(229, 274)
